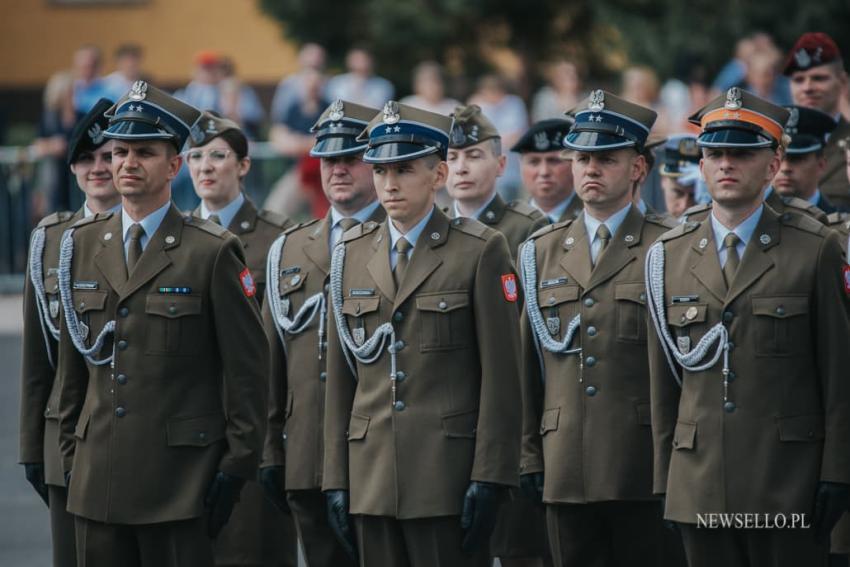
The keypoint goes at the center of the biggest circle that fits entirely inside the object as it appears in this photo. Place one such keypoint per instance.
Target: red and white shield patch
(247, 282)
(846, 273)
(509, 287)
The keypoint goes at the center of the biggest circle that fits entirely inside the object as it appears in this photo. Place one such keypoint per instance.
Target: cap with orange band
(740, 119)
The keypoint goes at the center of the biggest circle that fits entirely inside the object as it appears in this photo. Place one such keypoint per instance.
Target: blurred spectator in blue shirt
(203, 91)
(128, 70)
(311, 57)
(89, 86)
(360, 85)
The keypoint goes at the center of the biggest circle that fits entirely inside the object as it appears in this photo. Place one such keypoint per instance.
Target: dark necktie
(134, 252)
(402, 246)
(730, 243)
(604, 236)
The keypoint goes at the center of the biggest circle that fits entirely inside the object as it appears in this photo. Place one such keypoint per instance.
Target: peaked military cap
(544, 136)
(740, 119)
(812, 49)
(807, 128)
(147, 113)
(470, 127)
(401, 132)
(604, 121)
(680, 153)
(87, 135)
(338, 127)
(212, 126)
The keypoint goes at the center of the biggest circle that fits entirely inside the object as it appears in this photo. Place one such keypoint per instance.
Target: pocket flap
(549, 421)
(82, 425)
(644, 413)
(197, 431)
(442, 302)
(631, 292)
(557, 295)
(685, 435)
(357, 306)
(173, 306)
(290, 282)
(461, 424)
(781, 307)
(801, 427)
(684, 314)
(358, 426)
(89, 300)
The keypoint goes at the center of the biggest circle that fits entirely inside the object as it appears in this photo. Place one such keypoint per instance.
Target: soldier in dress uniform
(748, 357)
(295, 315)
(475, 162)
(422, 415)
(161, 418)
(546, 169)
(257, 533)
(819, 80)
(804, 162)
(680, 174)
(587, 431)
(89, 156)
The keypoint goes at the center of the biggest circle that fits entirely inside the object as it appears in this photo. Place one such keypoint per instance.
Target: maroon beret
(811, 50)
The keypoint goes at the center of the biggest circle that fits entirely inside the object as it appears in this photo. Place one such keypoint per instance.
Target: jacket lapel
(379, 264)
(317, 247)
(619, 251)
(245, 219)
(576, 258)
(493, 213)
(707, 267)
(155, 257)
(110, 259)
(756, 261)
(424, 259)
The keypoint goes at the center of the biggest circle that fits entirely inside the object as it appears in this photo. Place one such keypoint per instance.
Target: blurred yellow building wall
(38, 37)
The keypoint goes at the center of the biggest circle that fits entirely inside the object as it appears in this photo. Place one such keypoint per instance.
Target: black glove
(340, 521)
(222, 495)
(531, 485)
(669, 524)
(831, 501)
(480, 507)
(272, 480)
(35, 475)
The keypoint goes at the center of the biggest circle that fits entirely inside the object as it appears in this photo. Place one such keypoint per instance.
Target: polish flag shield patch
(846, 273)
(247, 282)
(509, 287)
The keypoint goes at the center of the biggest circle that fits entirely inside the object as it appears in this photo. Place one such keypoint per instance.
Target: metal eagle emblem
(337, 111)
(597, 101)
(793, 120)
(95, 134)
(553, 324)
(458, 137)
(801, 56)
(359, 335)
(138, 91)
(391, 112)
(541, 141)
(733, 99)
(211, 129)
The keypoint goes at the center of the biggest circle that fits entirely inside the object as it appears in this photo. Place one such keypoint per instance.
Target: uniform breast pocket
(445, 320)
(174, 324)
(782, 325)
(687, 321)
(631, 311)
(90, 306)
(559, 305)
(357, 311)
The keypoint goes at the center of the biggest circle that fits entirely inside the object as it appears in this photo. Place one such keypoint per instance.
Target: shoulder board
(55, 218)
(809, 208)
(661, 220)
(696, 209)
(679, 230)
(524, 209)
(471, 227)
(837, 217)
(273, 218)
(803, 222)
(359, 230)
(551, 227)
(299, 226)
(207, 226)
(97, 217)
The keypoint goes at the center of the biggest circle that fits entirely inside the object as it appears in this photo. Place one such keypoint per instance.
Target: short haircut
(431, 160)
(496, 146)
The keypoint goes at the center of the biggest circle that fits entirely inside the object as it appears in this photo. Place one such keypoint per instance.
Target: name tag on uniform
(685, 298)
(361, 292)
(175, 290)
(85, 285)
(290, 270)
(553, 283)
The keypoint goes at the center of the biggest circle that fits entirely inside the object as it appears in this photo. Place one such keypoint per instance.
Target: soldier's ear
(441, 174)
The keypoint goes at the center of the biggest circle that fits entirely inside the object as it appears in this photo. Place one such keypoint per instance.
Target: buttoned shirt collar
(150, 224)
(613, 222)
(227, 212)
(412, 235)
(558, 210)
(360, 216)
(815, 197)
(87, 212)
(744, 231)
